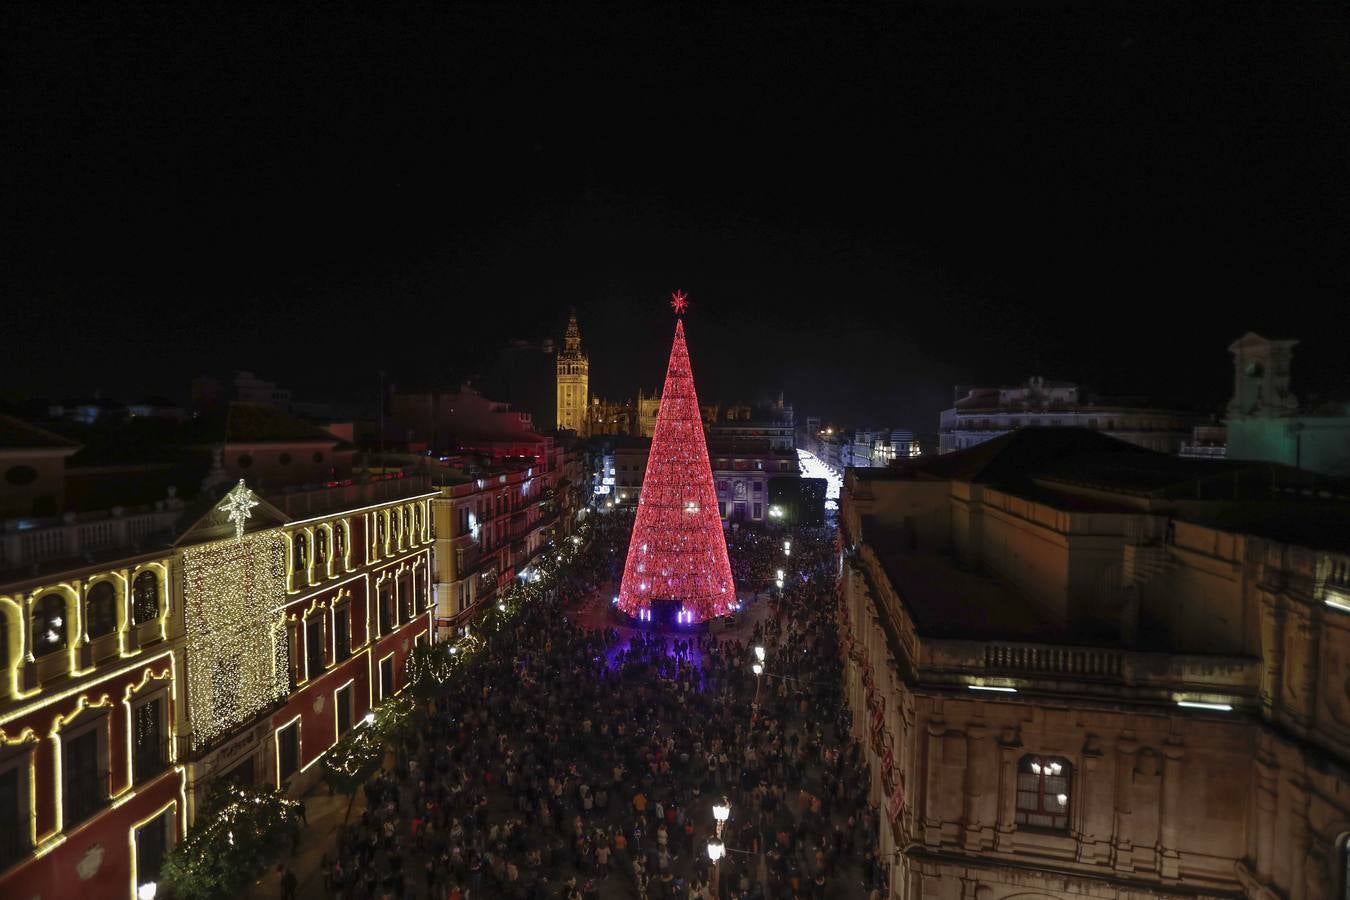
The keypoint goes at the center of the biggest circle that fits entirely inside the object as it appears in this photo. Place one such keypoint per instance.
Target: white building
(987, 412)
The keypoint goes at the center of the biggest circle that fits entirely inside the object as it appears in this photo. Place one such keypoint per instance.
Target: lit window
(145, 597)
(300, 561)
(100, 610)
(49, 624)
(1043, 787)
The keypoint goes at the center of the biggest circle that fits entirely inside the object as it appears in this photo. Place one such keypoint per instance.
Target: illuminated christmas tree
(678, 552)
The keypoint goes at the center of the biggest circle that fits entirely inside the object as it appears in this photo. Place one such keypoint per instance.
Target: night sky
(866, 204)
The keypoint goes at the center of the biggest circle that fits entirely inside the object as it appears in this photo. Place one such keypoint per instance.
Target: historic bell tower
(573, 381)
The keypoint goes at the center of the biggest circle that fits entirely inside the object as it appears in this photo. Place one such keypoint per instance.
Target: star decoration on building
(238, 506)
(679, 301)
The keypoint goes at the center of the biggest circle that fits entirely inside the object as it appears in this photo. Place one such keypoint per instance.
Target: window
(1043, 792)
(722, 509)
(343, 700)
(300, 558)
(149, 743)
(417, 518)
(386, 610)
(756, 513)
(386, 677)
(152, 843)
(288, 750)
(314, 655)
(340, 540)
(49, 624)
(321, 552)
(342, 632)
(86, 778)
(100, 609)
(405, 596)
(759, 487)
(407, 521)
(144, 597)
(422, 590)
(14, 835)
(722, 486)
(19, 476)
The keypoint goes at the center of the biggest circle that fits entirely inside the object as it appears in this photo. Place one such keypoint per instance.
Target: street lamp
(721, 812)
(147, 891)
(716, 849)
(787, 548)
(759, 652)
(757, 669)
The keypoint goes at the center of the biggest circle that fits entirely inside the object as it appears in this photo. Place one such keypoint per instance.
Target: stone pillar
(932, 784)
(1122, 847)
(1267, 806)
(976, 781)
(1169, 856)
(1006, 827)
(1272, 652)
(1085, 803)
(1298, 849)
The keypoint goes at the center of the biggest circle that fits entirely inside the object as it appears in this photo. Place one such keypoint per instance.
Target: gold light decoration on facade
(238, 657)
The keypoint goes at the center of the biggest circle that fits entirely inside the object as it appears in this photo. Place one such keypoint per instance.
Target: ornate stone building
(573, 382)
(1083, 669)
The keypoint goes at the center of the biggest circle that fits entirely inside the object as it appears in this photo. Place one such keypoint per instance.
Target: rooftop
(948, 601)
(16, 434)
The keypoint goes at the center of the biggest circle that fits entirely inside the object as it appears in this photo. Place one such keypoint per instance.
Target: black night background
(866, 204)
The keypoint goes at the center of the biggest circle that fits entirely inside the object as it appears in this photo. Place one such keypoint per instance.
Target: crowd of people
(583, 762)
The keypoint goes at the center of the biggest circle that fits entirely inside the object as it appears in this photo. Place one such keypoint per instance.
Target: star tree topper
(679, 301)
(238, 506)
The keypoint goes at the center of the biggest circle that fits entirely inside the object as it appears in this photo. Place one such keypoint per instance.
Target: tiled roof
(16, 434)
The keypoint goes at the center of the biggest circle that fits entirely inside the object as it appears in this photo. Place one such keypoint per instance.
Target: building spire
(572, 340)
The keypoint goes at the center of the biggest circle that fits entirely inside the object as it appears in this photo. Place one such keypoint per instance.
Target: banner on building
(897, 801)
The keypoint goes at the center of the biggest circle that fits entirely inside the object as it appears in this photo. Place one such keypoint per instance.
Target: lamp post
(717, 849)
(758, 668)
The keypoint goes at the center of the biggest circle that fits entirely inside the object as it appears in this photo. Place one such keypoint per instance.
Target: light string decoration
(678, 551)
(238, 658)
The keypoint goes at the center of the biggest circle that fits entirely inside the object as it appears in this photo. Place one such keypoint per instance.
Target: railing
(83, 801)
(1040, 659)
(314, 500)
(1203, 451)
(26, 542)
(149, 759)
(14, 845)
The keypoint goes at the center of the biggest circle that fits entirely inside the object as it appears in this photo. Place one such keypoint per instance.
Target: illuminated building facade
(1266, 421)
(1080, 668)
(574, 399)
(491, 521)
(984, 413)
(147, 651)
(610, 418)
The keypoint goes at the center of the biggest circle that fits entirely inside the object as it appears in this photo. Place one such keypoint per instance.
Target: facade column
(932, 786)
(1272, 651)
(1008, 751)
(1169, 858)
(1088, 835)
(1123, 849)
(976, 779)
(1267, 797)
(1298, 837)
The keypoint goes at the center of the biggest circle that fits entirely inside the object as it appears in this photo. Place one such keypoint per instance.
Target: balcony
(150, 759)
(14, 844)
(84, 800)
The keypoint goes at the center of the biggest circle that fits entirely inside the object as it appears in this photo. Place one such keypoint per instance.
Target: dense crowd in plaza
(582, 762)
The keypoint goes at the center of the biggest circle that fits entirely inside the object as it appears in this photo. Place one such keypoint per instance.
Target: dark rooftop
(16, 434)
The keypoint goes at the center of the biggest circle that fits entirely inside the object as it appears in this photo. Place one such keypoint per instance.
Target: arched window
(386, 607)
(340, 540)
(321, 551)
(100, 609)
(405, 592)
(381, 528)
(422, 589)
(49, 624)
(300, 559)
(417, 519)
(1343, 864)
(144, 597)
(1043, 793)
(407, 522)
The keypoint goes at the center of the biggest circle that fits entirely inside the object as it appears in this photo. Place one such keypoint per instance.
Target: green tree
(237, 833)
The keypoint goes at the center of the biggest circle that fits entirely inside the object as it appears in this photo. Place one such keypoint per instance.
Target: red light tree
(678, 551)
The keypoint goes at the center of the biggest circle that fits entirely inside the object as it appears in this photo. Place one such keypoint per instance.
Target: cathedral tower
(573, 381)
